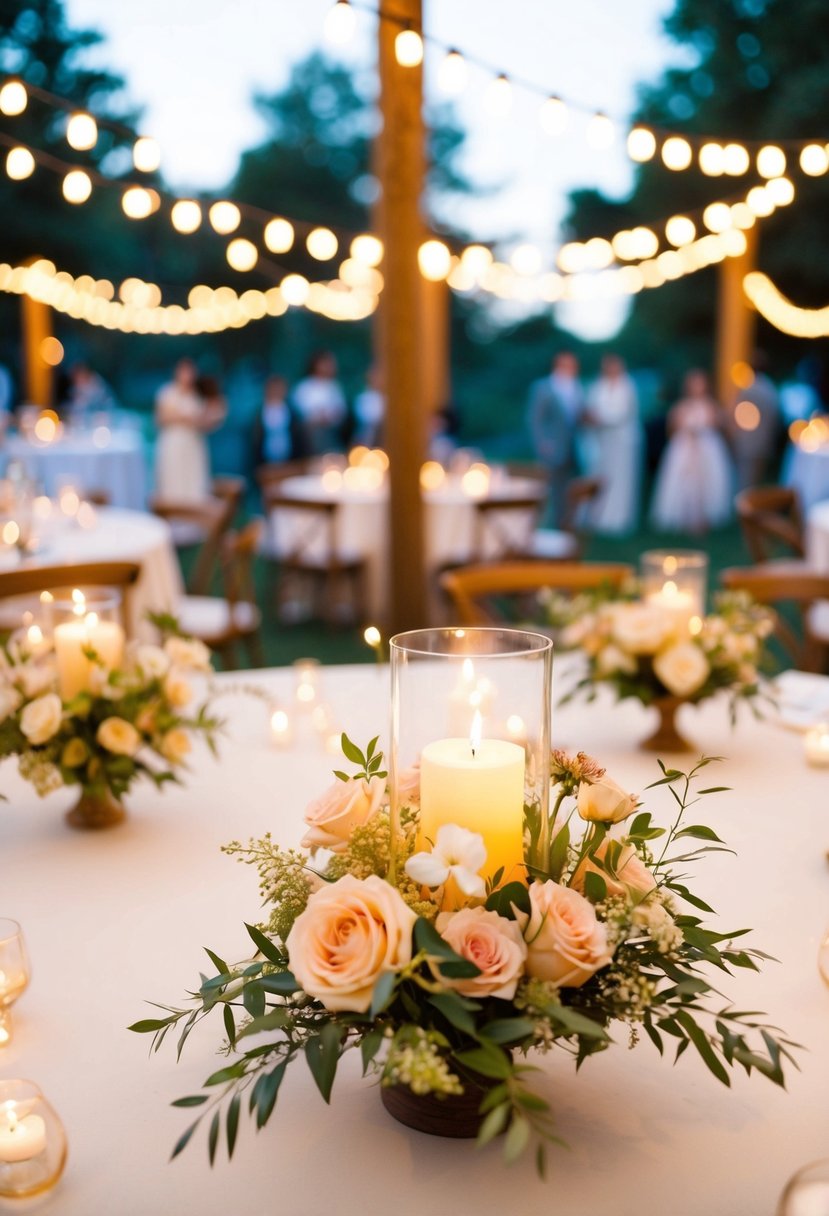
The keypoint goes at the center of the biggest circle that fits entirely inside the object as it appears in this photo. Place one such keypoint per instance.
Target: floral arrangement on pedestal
(445, 978)
(663, 657)
(126, 721)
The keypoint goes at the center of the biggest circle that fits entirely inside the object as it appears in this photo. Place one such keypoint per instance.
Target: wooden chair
(33, 580)
(196, 526)
(567, 543)
(269, 476)
(807, 593)
(478, 592)
(98, 498)
(310, 556)
(231, 491)
(221, 622)
(771, 518)
(529, 469)
(503, 527)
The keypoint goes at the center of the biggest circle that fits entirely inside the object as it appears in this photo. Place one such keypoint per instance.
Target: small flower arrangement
(133, 720)
(412, 952)
(643, 649)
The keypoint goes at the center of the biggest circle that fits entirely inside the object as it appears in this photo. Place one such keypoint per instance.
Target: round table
(105, 460)
(808, 473)
(362, 522)
(117, 919)
(113, 534)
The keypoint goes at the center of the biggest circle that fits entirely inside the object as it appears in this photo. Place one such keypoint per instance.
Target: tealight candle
(22, 1137)
(75, 638)
(680, 604)
(816, 745)
(281, 728)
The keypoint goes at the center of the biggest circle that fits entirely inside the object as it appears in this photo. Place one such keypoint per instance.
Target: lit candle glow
(76, 638)
(21, 1137)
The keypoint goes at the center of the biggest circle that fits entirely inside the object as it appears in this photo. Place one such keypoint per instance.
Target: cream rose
(175, 745)
(612, 659)
(642, 628)
(9, 701)
(41, 718)
(188, 653)
(634, 877)
(344, 806)
(36, 678)
(566, 942)
(351, 932)
(118, 736)
(494, 944)
(604, 801)
(177, 689)
(152, 661)
(683, 669)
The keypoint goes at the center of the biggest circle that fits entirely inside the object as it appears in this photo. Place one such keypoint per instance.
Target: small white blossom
(457, 853)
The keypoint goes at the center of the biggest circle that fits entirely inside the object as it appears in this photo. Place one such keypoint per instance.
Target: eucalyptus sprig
(369, 764)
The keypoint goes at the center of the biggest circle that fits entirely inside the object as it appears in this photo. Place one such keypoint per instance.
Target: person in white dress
(613, 442)
(694, 488)
(320, 403)
(184, 416)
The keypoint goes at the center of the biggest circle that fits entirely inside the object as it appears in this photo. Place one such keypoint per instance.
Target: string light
(641, 144)
(434, 260)
(185, 215)
(601, 132)
(224, 217)
(295, 289)
(771, 161)
(717, 217)
(408, 48)
(19, 164)
(552, 115)
(759, 200)
(81, 132)
(77, 186)
(498, 97)
(13, 98)
(736, 160)
(680, 230)
(711, 159)
(780, 312)
(676, 153)
(780, 190)
(525, 259)
(279, 235)
(242, 254)
(814, 160)
(146, 154)
(322, 244)
(339, 23)
(476, 259)
(452, 74)
(137, 203)
(367, 249)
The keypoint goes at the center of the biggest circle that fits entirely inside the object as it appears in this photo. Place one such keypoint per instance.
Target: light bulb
(408, 49)
(598, 253)
(712, 159)
(452, 74)
(717, 217)
(780, 190)
(185, 215)
(771, 161)
(760, 201)
(138, 203)
(813, 160)
(498, 97)
(242, 255)
(146, 154)
(19, 164)
(680, 230)
(13, 98)
(279, 235)
(742, 216)
(645, 242)
(600, 132)
(81, 132)
(641, 144)
(77, 186)
(477, 259)
(526, 259)
(224, 217)
(322, 244)
(676, 153)
(552, 116)
(295, 289)
(736, 160)
(339, 24)
(434, 260)
(367, 249)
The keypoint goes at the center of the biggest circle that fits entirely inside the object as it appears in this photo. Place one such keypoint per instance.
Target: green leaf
(213, 1138)
(501, 901)
(219, 963)
(595, 887)
(265, 1091)
(264, 945)
(341, 775)
(233, 1123)
(518, 1137)
(150, 1025)
(383, 992)
(281, 983)
(193, 1100)
(508, 1030)
(370, 1044)
(558, 852)
(351, 751)
(253, 999)
(576, 1023)
(230, 1025)
(700, 1040)
(323, 1054)
(184, 1140)
(371, 747)
(426, 937)
(487, 1060)
(493, 1124)
(689, 897)
(232, 1072)
(698, 831)
(448, 1004)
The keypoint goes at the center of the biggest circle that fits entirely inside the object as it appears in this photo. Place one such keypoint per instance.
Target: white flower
(683, 669)
(35, 678)
(457, 853)
(612, 659)
(642, 628)
(188, 653)
(118, 736)
(41, 718)
(9, 701)
(152, 661)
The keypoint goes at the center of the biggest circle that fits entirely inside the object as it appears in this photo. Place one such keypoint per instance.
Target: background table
(808, 473)
(117, 919)
(817, 536)
(103, 459)
(117, 535)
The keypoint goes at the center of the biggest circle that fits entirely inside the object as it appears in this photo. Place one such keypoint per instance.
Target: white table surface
(116, 919)
(120, 535)
(817, 536)
(103, 459)
(808, 473)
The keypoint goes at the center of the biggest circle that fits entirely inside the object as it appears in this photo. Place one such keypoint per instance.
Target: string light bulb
(408, 48)
(526, 259)
(367, 249)
(717, 217)
(146, 154)
(676, 153)
(186, 215)
(137, 203)
(77, 186)
(20, 164)
(225, 217)
(780, 190)
(498, 97)
(601, 132)
(813, 160)
(295, 289)
(477, 259)
(736, 160)
(452, 74)
(771, 161)
(13, 98)
(641, 144)
(278, 235)
(242, 255)
(712, 159)
(760, 201)
(645, 242)
(322, 244)
(81, 131)
(339, 23)
(680, 230)
(434, 260)
(552, 116)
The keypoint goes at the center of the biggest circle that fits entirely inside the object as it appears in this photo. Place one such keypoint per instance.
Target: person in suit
(756, 427)
(278, 434)
(554, 411)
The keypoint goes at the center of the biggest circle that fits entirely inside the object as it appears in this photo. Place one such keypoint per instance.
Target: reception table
(110, 460)
(807, 471)
(116, 919)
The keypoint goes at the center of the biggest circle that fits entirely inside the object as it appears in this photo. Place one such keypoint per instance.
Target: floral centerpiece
(445, 978)
(647, 650)
(127, 721)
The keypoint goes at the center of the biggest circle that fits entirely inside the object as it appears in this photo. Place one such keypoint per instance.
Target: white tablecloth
(118, 535)
(362, 524)
(817, 536)
(116, 919)
(808, 473)
(108, 460)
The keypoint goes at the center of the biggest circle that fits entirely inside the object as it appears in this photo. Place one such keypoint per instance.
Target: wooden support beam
(36, 326)
(736, 321)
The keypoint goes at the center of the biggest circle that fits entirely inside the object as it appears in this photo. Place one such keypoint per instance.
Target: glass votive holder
(282, 728)
(14, 973)
(307, 676)
(88, 634)
(677, 582)
(807, 1192)
(32, 1142)
(471, 707)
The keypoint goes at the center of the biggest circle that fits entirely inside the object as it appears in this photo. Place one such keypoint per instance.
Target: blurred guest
(88, 392)
(756, 427)
(612, 416)
(800, 397)
(443, 430)
(320, 404)
(555, 407)
(695, 482)
(6, 397)
(369, 410)
(277, 434)
(185, 411)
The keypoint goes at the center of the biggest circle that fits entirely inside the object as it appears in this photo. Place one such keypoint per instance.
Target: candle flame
(468, 671)
(91, 620)
(475, 731)
(371, 636)
(35, 635)
(279, 720)
(670, 565)
(78, 602)
(11, 1115)
(670, 589)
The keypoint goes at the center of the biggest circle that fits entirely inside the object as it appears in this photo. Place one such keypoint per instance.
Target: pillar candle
(74, 637)
(21, 1139)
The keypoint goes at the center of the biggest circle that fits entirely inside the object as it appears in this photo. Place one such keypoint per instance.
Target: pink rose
(566, 942)
(351, 932)
(634, 877)
(494, 944)
(344, 806)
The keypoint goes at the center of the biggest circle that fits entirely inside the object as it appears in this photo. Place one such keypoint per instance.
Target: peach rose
(566, 942)
(189, 653)
(175, 745)
(494, 944)
(344, 806)
(642, 628)
(604, 801)
(9, 701)
(683, 669)
(152, 661)
(41, 718)
(177, 689)
(118, 736)
(633, 876)
(351, 932)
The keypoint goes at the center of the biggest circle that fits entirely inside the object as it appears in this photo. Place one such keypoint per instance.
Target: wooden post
(435, 304)
(36, 325)
(736, 322)
(400, 169)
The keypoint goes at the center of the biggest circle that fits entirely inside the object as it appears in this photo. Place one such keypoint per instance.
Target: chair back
(478, 593)
(806, 594)
(36, 579)
(231, 491)
(238, 551)
(269, 476)
(770, 516)
(503, 528)
(304, 530)
(196, 524)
